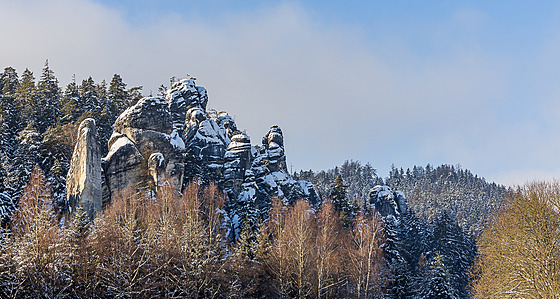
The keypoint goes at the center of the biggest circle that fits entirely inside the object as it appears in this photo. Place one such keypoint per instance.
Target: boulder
(273, 143)
(206, 144)
(83, 182)
(225, 121)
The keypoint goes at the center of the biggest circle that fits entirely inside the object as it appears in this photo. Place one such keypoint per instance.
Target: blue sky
(405, 82)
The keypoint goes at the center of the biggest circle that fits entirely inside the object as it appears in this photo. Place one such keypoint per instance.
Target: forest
(461, 237)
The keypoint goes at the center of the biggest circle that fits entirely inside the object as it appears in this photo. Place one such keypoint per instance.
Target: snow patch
(121, 142)
(176, 140)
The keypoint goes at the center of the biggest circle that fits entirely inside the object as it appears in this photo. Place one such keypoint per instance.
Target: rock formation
(144, 149)
(83, 183)
(267, 178)
(387, 202)
(237, 161)
(177, 140)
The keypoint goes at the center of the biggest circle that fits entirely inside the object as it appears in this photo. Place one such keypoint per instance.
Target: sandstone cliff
(176, 140)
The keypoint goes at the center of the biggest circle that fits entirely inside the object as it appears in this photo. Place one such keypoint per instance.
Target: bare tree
(367, 266)
(329, 270)
(277, 257)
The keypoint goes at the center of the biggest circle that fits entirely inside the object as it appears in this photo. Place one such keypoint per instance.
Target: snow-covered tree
(49, 99)
(8, 81)
(26, 98)
(439, 283)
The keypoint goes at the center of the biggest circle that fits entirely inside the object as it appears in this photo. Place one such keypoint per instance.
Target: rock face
(177, 140)
(144, 149)
(83, 183)
(206, 143)
(183, 96)
(267, 178)
(387, 202)
(237, 161)
(273, 146)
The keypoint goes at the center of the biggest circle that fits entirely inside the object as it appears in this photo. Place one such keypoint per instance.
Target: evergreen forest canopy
(342, 247)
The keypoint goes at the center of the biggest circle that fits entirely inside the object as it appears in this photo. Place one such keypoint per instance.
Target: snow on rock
(140, 132)
(237, 161)
(149, 113)
(183, 96)
(386, 201)
(177, 139)
(267, 178)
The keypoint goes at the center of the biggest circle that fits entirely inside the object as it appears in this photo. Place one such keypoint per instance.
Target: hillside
(430, 191)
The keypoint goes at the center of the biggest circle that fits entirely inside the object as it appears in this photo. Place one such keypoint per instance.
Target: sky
(401, 83)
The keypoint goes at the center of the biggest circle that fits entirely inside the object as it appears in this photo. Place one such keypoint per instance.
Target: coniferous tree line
(427, 249)
(446, 188)
(429, 190)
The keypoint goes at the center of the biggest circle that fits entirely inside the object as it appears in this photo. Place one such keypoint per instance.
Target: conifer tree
(401, 282)
(118, 95)
(80, 226)
(9, 114)
(26, 98)
(89, 99)
(49, 99)
(340, 201)
(455, 248)
(8, 81)
(71, 109)
(439, 285)
(247, 241)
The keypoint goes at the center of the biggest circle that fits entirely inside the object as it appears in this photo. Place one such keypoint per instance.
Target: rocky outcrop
(266, 178)
(386, 201)
(144, 149)
(204, 138)
(237, 161)
(183, 96)
(177, 140)
(273, 147)
(83, 182)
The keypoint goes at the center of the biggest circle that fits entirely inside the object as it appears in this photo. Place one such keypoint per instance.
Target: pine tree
(401, 281)
(80, 226)
(89, 98)
(49, 99)
(247, 241)
(118, 94)
(8, 82)
(71, 109)
(456, 248)
(26, 98)
(440, 285)
(340, 201)
(10, 115)
(57, 179)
